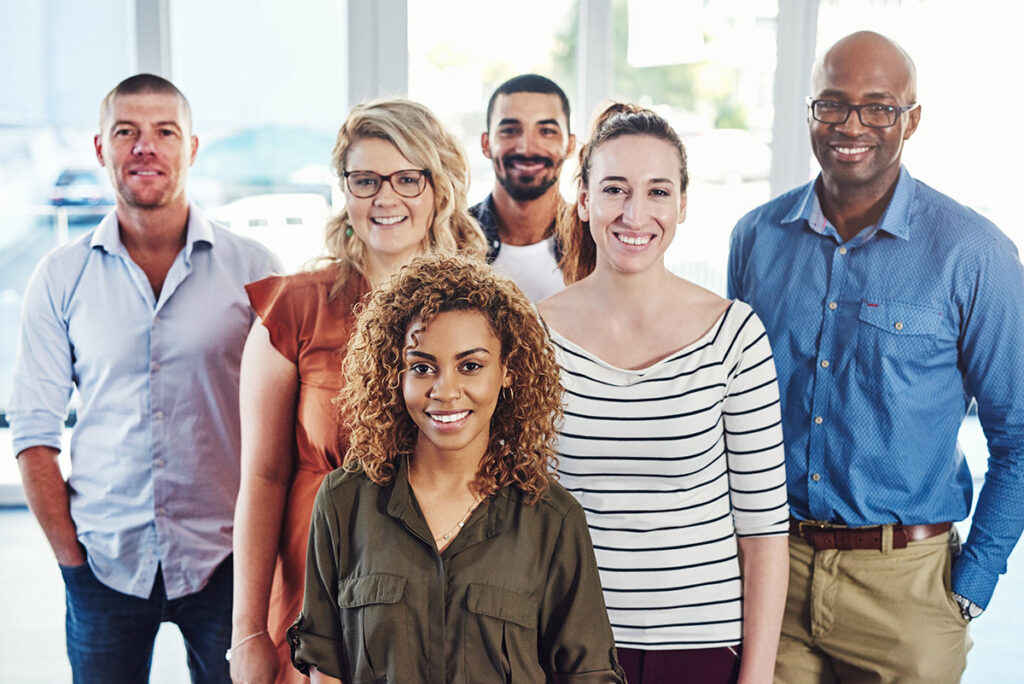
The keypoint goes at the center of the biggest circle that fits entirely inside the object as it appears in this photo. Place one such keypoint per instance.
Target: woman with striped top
(672, 440)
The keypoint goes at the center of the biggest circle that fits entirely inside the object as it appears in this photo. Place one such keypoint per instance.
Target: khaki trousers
(872, 616)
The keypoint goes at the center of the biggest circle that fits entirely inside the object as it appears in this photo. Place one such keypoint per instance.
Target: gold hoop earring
(511, 394)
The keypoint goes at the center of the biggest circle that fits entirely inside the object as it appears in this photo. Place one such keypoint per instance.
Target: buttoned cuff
(308, 649)
(973, 581)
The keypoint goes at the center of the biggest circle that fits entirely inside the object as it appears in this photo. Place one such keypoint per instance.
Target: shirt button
(818, 420)
(816, 477)
(824, 363)
(160, 463)
(842, 250)
(161, 511)
(156, 367)
(898, 325)
(158, 414)
(832, 306)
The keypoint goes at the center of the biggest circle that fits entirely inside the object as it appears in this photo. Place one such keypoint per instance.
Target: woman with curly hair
(672, 439)
(405, 181)
(444, 551)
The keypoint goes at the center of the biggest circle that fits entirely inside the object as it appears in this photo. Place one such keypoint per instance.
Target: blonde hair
(579, 253)
(520, 451)
(419, 137)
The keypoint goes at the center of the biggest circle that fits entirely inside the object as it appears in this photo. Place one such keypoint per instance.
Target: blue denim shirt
(880, 342)
(154, 455)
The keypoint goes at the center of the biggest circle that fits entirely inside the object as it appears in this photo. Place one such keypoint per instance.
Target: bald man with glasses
(890, 308)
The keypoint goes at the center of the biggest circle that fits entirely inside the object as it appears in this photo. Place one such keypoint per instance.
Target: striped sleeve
(753, 435)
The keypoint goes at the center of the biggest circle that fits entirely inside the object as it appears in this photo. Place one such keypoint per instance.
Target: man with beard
(146, 316)
(527, 140)
(889, 307)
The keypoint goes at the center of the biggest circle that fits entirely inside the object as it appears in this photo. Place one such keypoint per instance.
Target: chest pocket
(375, 630)
(501, 636)
(897, 343)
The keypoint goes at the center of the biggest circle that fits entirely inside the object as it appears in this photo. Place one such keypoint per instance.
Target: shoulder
(342, 487)
(771, 212)
(64, 264)
(559, 503)
(940, 217)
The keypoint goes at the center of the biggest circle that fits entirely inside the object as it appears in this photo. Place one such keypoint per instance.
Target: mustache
(523, 159)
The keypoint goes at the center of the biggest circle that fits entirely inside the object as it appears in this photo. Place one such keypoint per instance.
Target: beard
(529, 190)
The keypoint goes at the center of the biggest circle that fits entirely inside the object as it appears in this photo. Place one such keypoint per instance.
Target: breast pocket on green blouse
(501, 636)
(374, 626)
(897, 343)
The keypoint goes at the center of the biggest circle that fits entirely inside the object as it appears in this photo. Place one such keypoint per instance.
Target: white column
(593, 66)
(153, 37)
(378, 49)
(796, 40)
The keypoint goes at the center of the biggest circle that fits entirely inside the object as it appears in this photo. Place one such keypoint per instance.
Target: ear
(583, 205)
(682, 209)
(485, 144)
(506, 377)
(913, 119)
(195, 148)
(571, 146)
(97, 143)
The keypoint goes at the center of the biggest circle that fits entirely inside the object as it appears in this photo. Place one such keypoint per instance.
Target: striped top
(671, 463)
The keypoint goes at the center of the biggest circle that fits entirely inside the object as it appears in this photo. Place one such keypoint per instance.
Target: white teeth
(145, 173)
(851, 150)
(639, 240)
(388, 220)
(448, 417)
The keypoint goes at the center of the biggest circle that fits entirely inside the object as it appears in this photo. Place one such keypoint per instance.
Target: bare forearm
(47, 495)
(765, 581)
(318, 677)
(258, 517)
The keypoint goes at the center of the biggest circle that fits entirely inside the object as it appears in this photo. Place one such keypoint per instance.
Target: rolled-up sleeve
(43, 372)
(576, 639)
(315, 638)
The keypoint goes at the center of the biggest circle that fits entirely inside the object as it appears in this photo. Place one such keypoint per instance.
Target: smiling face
(392, 227)
(528, 141)
(633, 201)
(453, 376)
(147, 147)
(861, 69)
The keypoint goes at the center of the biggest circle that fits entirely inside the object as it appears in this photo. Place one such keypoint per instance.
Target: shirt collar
(895, 220)
(108, 237)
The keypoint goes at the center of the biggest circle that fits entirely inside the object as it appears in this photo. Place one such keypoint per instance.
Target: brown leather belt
(822, 535)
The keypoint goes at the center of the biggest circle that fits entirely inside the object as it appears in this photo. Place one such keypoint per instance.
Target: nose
(632, 211)
(386, 196)
(145, 143)
(852, 126)
(525, 144)
(446, 387)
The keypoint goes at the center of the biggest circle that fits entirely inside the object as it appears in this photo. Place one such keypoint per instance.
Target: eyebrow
(542, 122)
(623, 179)
(460, 355)
(158, 124)
(868, 96)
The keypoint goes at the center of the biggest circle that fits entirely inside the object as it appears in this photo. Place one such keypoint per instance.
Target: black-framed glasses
(407, 183)
(872, 115)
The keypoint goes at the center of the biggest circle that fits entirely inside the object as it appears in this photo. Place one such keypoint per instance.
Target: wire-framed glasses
(872, 115)
(407, 183)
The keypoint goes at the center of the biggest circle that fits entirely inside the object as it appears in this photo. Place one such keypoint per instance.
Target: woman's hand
(255, 661)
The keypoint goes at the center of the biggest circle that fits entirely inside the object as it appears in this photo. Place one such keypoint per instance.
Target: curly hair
(579, 252)
(520, 451)
(420, 138)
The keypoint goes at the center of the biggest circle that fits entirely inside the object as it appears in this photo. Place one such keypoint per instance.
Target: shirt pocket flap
(364, 591)
(901, 319)
(502, 604)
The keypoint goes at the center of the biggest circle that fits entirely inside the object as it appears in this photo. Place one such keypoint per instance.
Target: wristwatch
(968, 608)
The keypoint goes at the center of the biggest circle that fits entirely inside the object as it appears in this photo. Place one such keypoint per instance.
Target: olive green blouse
(514, 598)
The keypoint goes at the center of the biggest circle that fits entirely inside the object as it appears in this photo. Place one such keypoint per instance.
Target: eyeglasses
(872, 115)
(407, 183)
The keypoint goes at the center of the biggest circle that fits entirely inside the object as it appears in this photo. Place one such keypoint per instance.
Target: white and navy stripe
(671, 463)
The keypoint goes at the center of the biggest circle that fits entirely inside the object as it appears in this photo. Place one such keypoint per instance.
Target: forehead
(859, 73)
(636, 158)
(376, 154)
(150, 108)
(456, 329)
(529, 108)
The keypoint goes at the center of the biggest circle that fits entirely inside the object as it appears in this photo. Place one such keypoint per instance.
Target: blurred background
(270, 83)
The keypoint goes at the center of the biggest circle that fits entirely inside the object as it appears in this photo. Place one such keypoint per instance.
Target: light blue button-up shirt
(155, 452)
(880, 343)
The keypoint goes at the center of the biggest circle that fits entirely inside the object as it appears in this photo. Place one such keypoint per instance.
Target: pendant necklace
(459, 525)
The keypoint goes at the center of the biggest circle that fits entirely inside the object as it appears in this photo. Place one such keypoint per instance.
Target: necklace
(461, 523)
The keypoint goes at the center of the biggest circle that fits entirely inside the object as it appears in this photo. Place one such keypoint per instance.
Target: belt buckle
(815, 526)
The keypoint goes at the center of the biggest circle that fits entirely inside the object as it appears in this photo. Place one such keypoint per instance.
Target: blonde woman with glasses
(405, 181)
